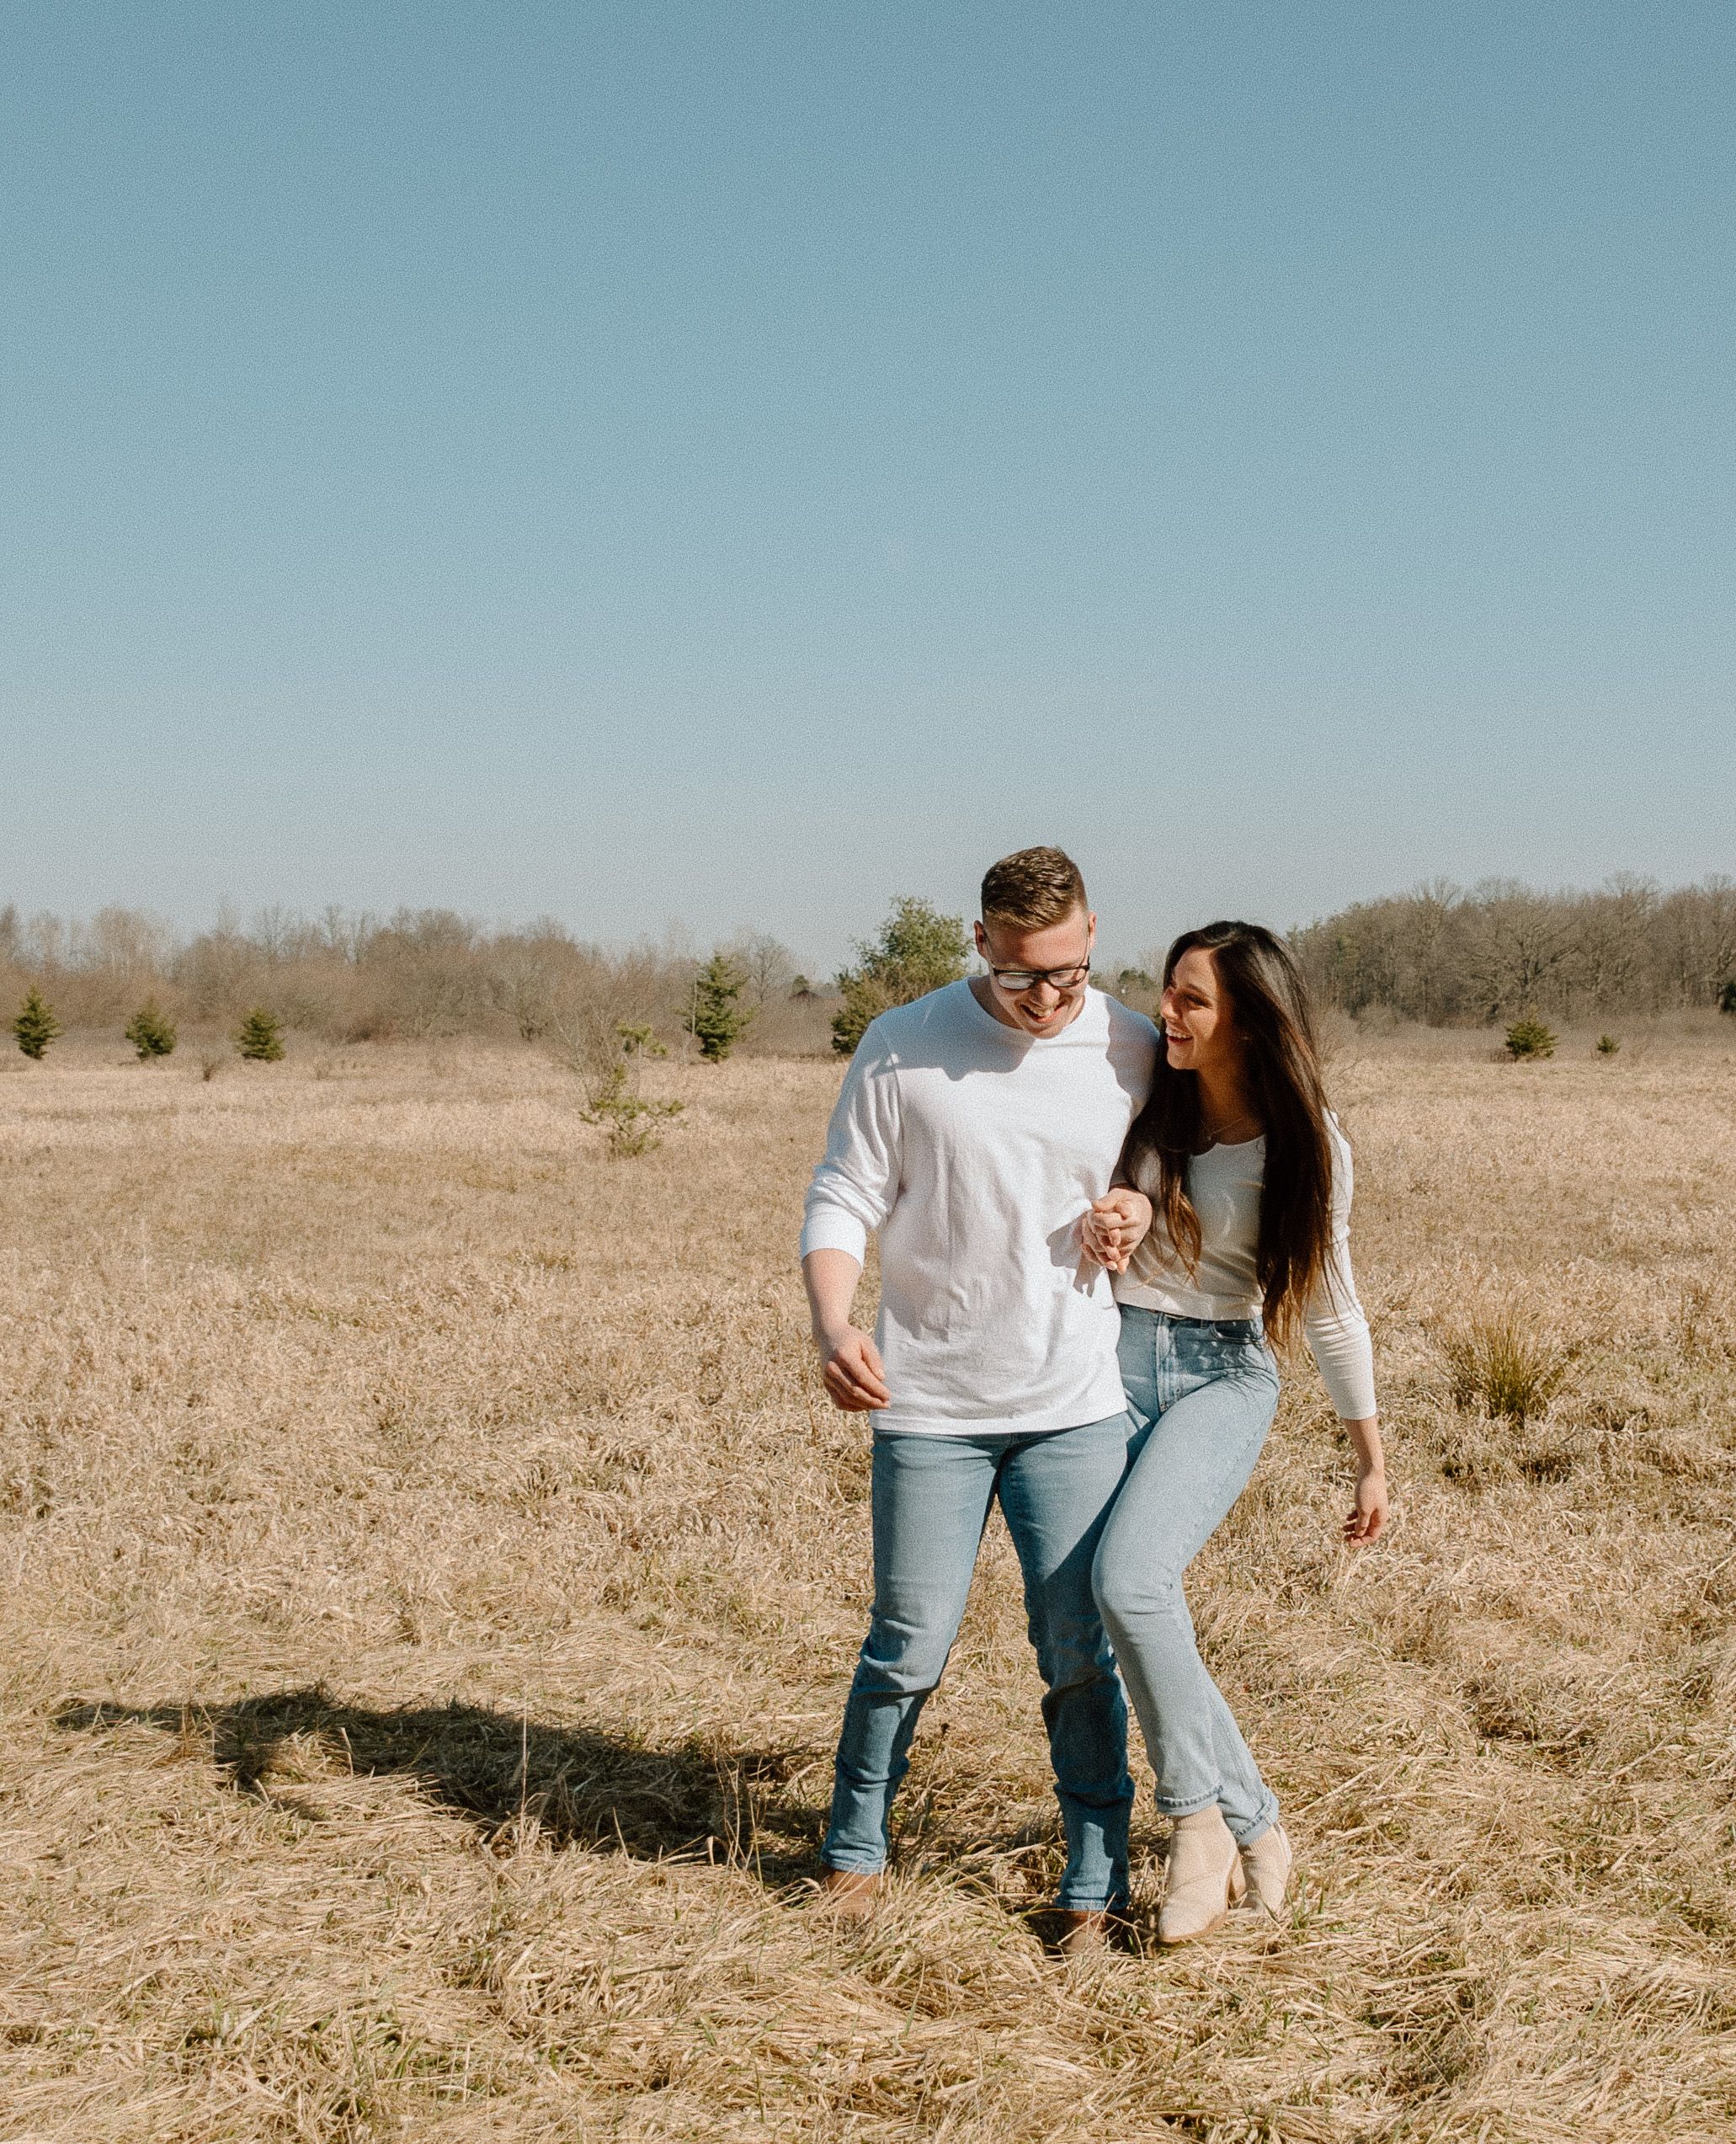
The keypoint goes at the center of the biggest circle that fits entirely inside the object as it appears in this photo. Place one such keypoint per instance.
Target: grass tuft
(1503, 1367)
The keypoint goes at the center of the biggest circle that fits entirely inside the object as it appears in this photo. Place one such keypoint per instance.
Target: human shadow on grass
(578, 1786)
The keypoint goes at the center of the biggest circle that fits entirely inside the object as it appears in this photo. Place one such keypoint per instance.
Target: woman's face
(1199, 1028)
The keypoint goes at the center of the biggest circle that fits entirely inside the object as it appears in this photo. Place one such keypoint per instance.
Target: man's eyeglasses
(1017, 980)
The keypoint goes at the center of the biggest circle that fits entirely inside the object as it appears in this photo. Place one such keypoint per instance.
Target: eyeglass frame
(1080, 970)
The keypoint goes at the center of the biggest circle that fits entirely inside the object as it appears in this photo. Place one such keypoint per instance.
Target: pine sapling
(629, 1120)
(717, 1019)
(150, 1033)
(261, 1038)
(35, 1025)
(1530, 1037)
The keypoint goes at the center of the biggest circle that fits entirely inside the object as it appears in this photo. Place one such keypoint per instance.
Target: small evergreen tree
(717, 1019)
(261, 1038)
(639, 1041)
(919, 950)
(150, 1034)
(1727, 996)
(1530, 1038)
(629, 1120)
(1608, 1045)
(35, 1025)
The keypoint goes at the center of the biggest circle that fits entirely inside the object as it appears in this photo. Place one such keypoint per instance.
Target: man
(975, 1129)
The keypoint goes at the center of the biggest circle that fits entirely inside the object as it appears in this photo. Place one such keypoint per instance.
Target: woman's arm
(1337, 1335)
(1368, 1514)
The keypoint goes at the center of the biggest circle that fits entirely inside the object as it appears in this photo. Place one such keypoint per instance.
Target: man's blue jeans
(931, 1501)
(1202, 1392)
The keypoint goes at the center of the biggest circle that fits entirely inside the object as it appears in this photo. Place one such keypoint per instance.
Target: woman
(1229, 1230)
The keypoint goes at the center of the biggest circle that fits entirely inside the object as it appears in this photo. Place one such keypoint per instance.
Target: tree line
(1446, 955)
(1439, 953)
(419, 974)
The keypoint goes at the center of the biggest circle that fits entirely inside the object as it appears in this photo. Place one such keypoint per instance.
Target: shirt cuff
(829, 1227)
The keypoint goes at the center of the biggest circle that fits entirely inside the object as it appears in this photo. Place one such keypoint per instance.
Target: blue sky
(728, 465)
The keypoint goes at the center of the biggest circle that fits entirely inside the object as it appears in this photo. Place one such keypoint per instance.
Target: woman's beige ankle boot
(1266, 1864)
(1203, 1877)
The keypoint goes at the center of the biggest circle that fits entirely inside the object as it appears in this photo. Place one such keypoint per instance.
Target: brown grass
(431, 1580)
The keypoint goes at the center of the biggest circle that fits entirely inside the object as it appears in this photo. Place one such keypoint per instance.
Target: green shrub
(919, 950)
(260, 1039)
(715, 1017)
(1607, 1045)
(150, 1034)
(35, 1025)
(1530, 1038)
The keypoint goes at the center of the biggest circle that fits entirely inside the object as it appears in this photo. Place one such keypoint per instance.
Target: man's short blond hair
(1033, 889)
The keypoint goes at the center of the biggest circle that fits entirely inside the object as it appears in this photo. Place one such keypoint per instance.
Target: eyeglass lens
(1026, 978)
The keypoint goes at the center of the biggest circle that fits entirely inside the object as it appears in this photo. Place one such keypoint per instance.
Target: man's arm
(852, 1193)
(850, 1363)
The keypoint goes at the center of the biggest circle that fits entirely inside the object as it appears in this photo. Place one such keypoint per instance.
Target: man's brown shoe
(849, 1894)
(1079, 1933)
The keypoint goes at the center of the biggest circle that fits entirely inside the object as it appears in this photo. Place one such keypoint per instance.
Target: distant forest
(420, 974)
(1438, 954)
(1443, 956)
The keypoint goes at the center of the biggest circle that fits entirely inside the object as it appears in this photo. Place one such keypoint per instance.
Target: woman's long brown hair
(1268, 1002)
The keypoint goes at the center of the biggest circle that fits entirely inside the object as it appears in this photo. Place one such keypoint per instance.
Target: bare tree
(768, 963)
(528, 969)
(1611, 929)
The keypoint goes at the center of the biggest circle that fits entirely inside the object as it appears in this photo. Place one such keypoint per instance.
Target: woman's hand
(1115, 1226)
(1368, 1515)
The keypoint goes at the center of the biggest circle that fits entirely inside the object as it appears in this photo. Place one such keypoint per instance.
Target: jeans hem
(852, 1868)
(1185, 1804)
(1246, 1834)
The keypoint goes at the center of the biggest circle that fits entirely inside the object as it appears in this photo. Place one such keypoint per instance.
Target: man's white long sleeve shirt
(975, 1149)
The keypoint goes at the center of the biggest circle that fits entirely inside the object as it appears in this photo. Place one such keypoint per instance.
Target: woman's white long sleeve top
(1224, 1184)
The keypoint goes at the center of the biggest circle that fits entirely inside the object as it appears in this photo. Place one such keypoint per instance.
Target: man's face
(1043, 1006)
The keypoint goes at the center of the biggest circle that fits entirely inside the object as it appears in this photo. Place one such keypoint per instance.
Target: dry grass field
(431, 1578)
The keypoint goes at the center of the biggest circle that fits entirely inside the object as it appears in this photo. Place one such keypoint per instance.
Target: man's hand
(849, 1361)
(1115, 1226)
(850, 1364)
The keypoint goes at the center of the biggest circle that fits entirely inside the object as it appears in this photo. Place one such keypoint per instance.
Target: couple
(1089, 1235)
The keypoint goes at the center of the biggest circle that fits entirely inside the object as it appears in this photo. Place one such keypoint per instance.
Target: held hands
(1114, 1228)
(854, 1375)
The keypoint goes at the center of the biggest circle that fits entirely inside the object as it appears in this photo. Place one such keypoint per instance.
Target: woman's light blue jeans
(932, 1497)
(1202, 1393)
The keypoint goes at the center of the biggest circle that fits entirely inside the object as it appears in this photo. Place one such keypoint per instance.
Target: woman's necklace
(1216, 1134)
